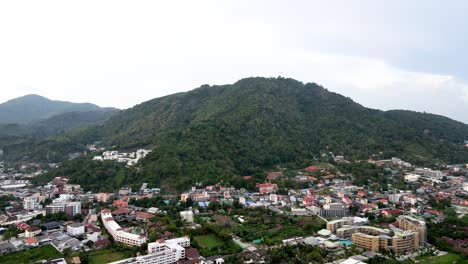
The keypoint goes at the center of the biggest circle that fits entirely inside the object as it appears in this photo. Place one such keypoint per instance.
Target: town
(344, 212)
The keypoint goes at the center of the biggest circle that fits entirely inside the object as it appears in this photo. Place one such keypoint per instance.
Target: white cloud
(117, 53)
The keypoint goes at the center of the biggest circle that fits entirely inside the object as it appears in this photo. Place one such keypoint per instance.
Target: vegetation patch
(106, 255)
(32, 255)
(209, 241)
(449, 258)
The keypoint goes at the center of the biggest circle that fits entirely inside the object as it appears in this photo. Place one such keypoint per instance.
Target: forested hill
(216, 131)
(32, 108)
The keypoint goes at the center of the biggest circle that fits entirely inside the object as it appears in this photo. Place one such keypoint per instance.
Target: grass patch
(209, 241)
(450, 258)
(31, 255)
(103, 256)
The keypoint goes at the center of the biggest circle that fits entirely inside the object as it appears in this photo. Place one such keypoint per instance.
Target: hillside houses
(129, 158)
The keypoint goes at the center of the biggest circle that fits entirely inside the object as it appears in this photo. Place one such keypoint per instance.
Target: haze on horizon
(392, 55)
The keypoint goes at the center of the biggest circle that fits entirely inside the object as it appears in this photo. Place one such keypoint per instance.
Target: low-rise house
(33, 231)
(31, 242)
(265, 188)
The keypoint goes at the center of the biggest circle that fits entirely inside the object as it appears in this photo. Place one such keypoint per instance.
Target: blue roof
(203, 204)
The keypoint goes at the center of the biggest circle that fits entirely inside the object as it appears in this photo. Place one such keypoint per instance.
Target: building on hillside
(334, 210)
(265, 188)
(187, 216)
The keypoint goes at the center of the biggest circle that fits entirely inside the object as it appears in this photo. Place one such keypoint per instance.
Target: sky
(383, 54)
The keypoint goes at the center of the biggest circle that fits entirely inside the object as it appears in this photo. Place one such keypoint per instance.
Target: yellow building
(406, 222)
(377, 239)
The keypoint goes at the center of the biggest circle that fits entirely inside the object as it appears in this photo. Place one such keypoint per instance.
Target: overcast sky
(399, 55)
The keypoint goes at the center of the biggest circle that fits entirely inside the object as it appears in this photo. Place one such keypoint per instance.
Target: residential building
(187, 216)
(161, 252)
(75, 229)
(30, 203)
(406, 222)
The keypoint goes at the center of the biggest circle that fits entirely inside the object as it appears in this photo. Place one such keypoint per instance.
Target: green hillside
(218, 132)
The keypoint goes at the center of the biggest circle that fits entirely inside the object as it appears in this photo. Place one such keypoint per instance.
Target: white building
(161, 252)
(30, 203)
(187, 216)
(299, 211)
(75, 229)
(73, 208)
(273, 197)
(117, 232)
(55, 208)
(411, 177)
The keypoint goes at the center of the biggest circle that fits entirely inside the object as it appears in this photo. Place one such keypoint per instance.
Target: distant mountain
(32, 108)
(64, 122)
(217, 133)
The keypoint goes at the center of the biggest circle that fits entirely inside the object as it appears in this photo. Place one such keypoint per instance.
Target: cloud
(120, 54)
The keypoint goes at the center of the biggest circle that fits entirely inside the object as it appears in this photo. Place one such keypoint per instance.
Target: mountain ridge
(217, 132)
(32, 108)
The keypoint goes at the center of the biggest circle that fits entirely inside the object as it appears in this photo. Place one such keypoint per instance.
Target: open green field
(32, 255)
(450, 258)
(209, 241)
(103, 256)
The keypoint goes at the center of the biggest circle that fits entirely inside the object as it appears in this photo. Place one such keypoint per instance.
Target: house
(187, 216)
(120, 203)
(267, 187)
(192, 253)
(31, 242)
(274, 175)
(22, 226)
(308, 201)
(143, 216)
(311, 168)
(51, 225)
(121, 212)
(383, 201)
(103, 243)
(33, 231)
(76, 260)
(391, 212)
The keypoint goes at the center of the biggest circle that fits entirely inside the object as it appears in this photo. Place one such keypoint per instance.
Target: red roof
(144, 215)
(93, 228)
(392, 212)
(192, 253)
(311, 168)
(30, 240)
(273, 175)
(120, 203)
(22, 226)
(432, 211)
(121, 211)
(101, 243)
